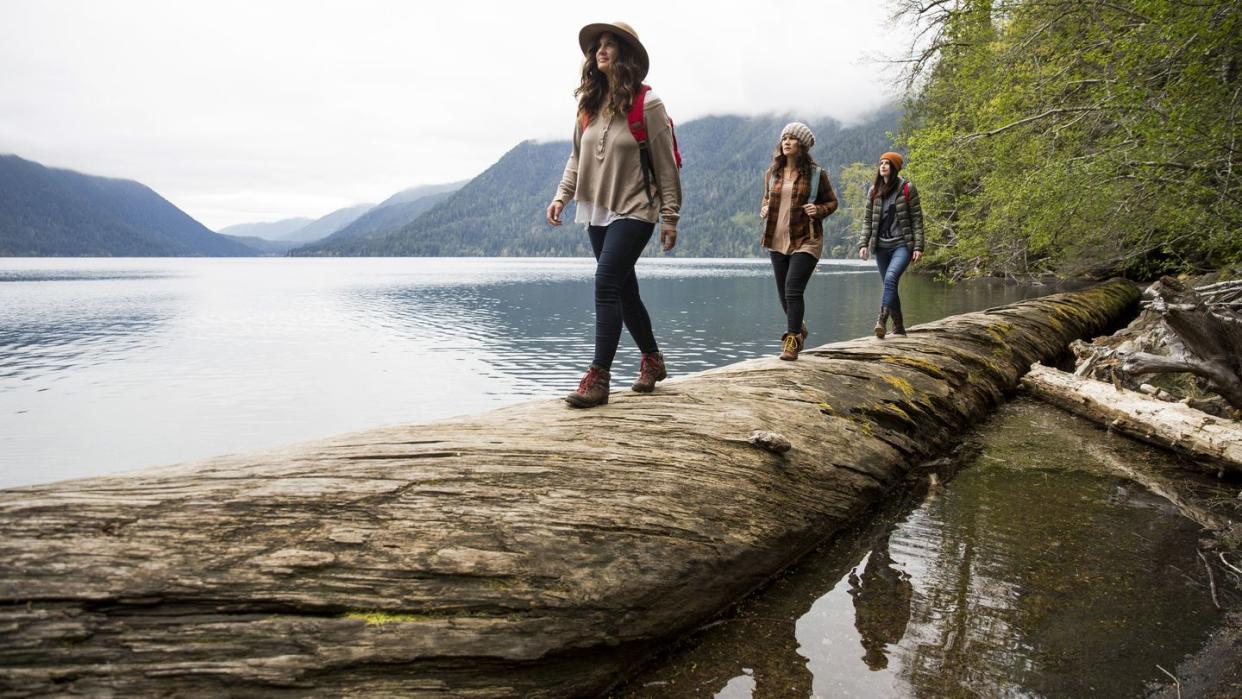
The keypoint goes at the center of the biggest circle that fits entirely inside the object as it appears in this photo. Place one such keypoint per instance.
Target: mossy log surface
(530, 551)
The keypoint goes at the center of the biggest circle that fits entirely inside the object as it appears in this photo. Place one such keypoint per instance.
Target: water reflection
(881, 604)
(1029, 575)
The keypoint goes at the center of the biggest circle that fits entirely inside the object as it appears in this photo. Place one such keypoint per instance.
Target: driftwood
(1170, 425)
(1196, 331)
(530, 551)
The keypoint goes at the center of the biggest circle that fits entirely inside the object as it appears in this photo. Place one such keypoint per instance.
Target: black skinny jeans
(617, 248)
(792, 274)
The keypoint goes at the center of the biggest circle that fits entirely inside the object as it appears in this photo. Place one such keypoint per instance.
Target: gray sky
(267, 109)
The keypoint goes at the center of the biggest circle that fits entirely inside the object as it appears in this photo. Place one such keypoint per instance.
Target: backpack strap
(814, 185)
(638, 123)
(638, 127)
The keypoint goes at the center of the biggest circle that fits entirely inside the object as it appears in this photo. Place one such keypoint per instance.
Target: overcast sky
(259, 110)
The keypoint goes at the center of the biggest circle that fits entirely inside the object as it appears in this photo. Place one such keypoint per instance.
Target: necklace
(603, 135)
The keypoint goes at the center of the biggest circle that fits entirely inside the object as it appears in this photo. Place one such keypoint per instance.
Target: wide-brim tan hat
(588, 34)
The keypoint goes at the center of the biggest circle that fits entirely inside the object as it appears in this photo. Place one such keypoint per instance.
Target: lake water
(109, 365)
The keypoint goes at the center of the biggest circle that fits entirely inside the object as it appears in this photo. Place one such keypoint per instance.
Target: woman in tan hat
(622, 189)
(796, 197)
(893, 232)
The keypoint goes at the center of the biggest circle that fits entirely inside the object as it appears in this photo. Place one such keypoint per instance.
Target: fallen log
(1173, 426)
(529, 551)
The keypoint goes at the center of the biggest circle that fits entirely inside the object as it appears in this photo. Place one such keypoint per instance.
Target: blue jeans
(617, 248)
(892, 262)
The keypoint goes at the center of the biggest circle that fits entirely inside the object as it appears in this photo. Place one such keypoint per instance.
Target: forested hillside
(501, 211)
(1095, 136)
(52, 212)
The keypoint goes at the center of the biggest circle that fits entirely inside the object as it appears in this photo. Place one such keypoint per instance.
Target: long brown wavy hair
(595, 83)
(803, 161)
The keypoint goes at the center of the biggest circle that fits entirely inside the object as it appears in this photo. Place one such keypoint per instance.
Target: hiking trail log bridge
(530, 551)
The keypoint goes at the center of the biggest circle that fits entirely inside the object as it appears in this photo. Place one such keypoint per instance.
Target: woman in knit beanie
(796, 197)
(621, 191)
(893, 232)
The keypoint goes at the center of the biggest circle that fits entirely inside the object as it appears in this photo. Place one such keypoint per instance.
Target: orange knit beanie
(894, 158)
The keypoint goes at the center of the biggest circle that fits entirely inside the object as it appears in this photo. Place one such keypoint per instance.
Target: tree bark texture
(530, 551)
(1170, 425)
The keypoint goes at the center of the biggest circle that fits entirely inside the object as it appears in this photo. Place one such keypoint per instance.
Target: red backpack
(638, 128)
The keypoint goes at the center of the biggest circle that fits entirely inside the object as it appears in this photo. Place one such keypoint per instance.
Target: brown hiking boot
(804, 332)
(650, 371)
(791, 345)
(881, 322)
(899, 325)
(592, 390)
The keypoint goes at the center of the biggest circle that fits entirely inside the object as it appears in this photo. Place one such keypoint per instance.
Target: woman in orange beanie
(893, 233)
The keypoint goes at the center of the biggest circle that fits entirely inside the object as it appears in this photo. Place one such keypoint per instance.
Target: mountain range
(501, 211)
(50, 212)
(391, 214)
(269, 230)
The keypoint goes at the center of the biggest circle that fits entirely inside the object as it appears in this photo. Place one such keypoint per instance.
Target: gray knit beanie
(800, 131)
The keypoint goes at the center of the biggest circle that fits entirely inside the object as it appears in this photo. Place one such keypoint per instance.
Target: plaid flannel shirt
(801, 226)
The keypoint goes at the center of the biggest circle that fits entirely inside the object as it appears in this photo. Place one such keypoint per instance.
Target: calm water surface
(114, 364)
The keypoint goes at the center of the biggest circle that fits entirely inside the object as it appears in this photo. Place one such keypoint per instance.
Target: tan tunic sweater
(605, 168)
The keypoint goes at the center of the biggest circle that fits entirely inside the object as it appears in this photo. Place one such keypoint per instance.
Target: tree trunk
(529, 551)
(1170, 425)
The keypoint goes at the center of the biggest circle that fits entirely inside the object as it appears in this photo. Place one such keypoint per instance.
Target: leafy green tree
(855, 180)
(1084, 137)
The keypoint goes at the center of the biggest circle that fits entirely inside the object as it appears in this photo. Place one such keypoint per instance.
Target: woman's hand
(554, 212)
(810, 209)
(918, 255)
(668, 237)
(763, 211)
(862, 253)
